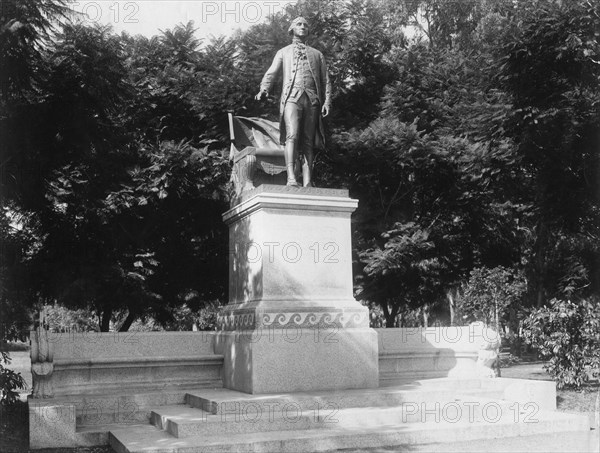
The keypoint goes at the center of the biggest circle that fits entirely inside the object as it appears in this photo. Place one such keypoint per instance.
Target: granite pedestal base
(290, 360)
(292, 323)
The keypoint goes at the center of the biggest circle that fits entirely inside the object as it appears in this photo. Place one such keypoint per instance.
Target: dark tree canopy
(467, 130)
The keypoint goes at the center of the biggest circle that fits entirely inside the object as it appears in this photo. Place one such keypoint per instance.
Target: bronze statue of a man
(305, 99)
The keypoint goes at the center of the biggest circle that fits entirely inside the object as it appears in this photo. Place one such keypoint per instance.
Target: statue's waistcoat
(284, 60)
(290, 68)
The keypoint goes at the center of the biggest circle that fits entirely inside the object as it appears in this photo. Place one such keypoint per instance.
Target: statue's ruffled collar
(299, 48)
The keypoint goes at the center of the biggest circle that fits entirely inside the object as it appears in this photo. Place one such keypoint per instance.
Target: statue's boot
(289, 163)
(291, 178)
(307, 170)
(306, 175)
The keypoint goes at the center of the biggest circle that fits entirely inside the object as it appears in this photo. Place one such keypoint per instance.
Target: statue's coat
(284, 59)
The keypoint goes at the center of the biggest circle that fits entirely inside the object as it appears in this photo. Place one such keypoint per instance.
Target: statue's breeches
(301, 123)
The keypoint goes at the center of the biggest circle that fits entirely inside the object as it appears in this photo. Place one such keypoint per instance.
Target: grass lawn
(572, 401)
(21, 363)
(14, 423)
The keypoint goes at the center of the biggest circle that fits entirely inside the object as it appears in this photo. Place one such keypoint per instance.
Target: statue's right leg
(309, 128)
(291, 116)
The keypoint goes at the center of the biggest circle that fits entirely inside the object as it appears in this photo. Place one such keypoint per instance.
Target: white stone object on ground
(488, 350)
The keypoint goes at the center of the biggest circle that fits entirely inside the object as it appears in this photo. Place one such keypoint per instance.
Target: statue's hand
(261, 94)
(325, 111)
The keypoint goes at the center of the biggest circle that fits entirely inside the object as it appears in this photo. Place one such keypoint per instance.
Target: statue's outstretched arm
(269, 77)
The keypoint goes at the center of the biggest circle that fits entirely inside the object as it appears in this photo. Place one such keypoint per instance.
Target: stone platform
(294, 365)
(94, 368)
(437, 410)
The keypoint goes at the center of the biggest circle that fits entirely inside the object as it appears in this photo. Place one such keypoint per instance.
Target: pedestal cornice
(297, 198)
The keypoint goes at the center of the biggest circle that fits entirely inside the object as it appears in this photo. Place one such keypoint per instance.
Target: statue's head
(299, 27)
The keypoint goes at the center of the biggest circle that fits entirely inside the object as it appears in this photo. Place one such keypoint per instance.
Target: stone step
(183, 421)
(127, 407)
(357, 431)
(219, 401)
(88, 436)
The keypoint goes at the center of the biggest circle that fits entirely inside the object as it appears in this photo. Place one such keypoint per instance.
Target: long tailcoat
(284, 59)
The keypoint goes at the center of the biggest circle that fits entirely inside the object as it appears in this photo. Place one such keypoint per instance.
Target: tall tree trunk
(513, 328)
(540, 264)
(450, 297)
(105, 323)
(131, 316)
(394, 315)
(386, 314)
(390, 316)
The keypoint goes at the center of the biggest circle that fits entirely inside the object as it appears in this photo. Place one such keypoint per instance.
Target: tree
(405, 272)
(95, 246)
(490, 294)
(429, 165)
(131, 210)
(9, 382)
(552, 74)
(115, 176)
(176, 202)
(493, 296)
(567, 334)
(25, 26)
(15, 246)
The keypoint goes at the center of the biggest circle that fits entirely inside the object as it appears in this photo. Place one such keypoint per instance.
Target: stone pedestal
(292, 323)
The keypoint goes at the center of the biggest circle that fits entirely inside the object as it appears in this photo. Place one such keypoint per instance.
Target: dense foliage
(481, 155)
(567, 334)
(469, 133)
(489, 294)
(10, 382)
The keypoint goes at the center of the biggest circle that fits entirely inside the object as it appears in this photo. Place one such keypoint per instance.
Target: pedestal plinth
(292, 323)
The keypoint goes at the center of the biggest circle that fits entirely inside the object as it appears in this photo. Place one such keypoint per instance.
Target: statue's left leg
(292, 116)
(309, 129)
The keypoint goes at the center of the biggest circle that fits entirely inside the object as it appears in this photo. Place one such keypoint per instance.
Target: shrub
(206, 318)
(9, 381)
(488, 291)
(188, 318)
(62, 319)
(568, 335)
